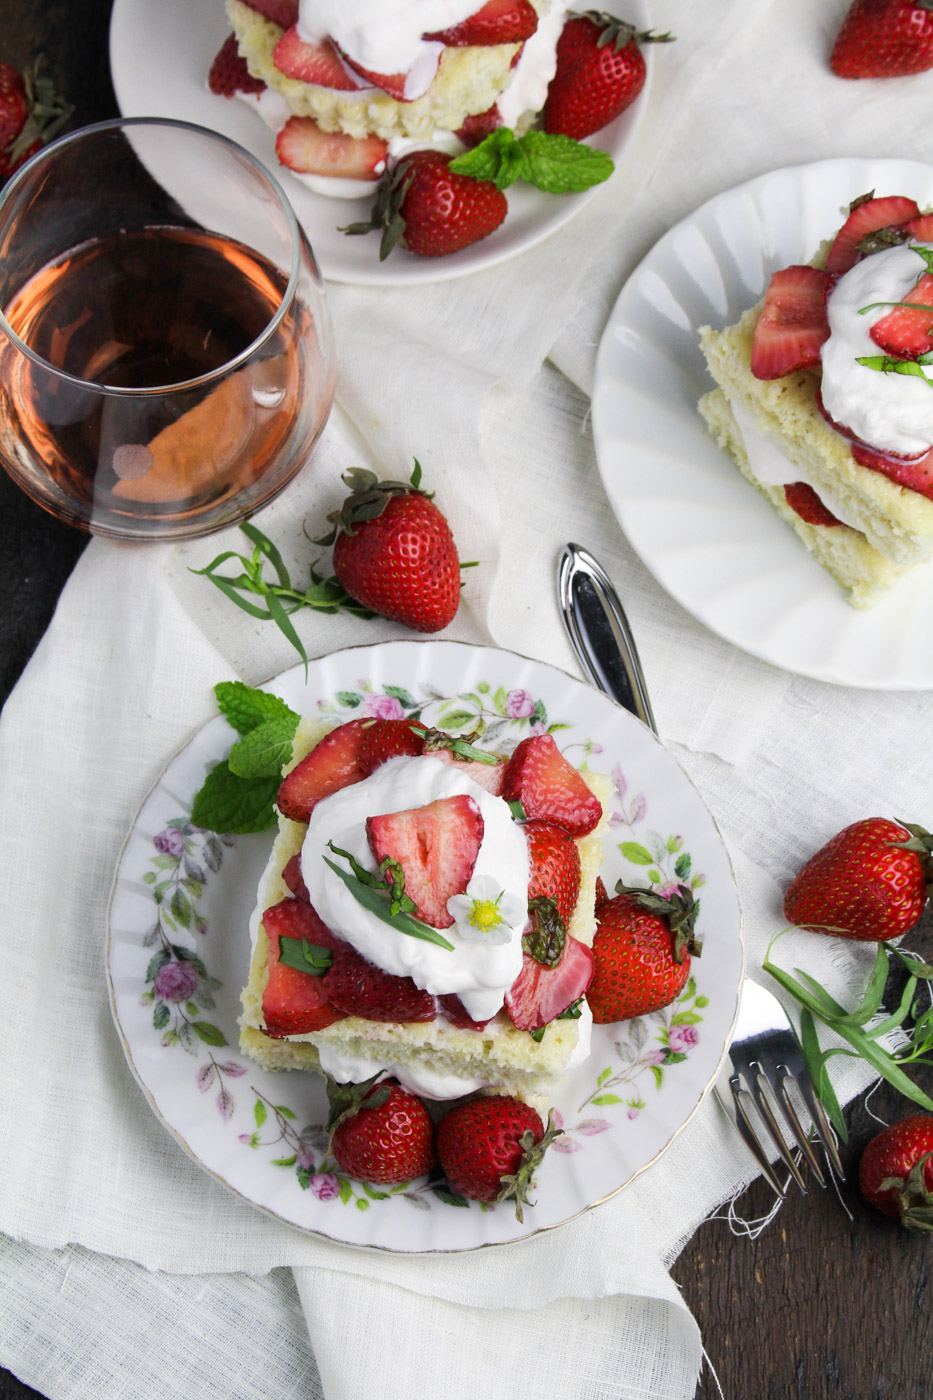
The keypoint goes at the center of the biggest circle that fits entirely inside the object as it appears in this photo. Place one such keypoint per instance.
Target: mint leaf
(264, 749)
(246, 708)
(305, 956)
(230, 804)
(553, 163)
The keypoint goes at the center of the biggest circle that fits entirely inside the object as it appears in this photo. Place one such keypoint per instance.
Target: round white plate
(708, 536)
(178, 928)
(160, 55)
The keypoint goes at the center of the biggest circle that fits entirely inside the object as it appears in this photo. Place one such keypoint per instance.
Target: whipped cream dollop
(536, 66)
(385, 36)
(893, 412)
(479, 973)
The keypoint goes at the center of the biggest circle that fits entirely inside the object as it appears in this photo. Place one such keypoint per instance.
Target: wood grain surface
(820, 1305)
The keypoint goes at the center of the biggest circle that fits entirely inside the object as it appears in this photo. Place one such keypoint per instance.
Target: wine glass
(166, 352)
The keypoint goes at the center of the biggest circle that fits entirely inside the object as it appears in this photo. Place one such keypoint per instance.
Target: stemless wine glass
(166, 353)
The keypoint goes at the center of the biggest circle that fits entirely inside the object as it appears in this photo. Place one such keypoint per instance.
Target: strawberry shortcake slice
(825, 396)
(427, 912)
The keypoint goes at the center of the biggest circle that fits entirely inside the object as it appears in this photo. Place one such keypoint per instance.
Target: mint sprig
(388, 904)
(553, 163)
(238, 796)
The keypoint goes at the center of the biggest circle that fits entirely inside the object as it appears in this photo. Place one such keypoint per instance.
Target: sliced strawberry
(916, 473)
(281, 12)
(486, 775)
(804, 500)
(792, 325)
(359, 988)
(887, 212)
(453, 1010)
(549, 787)
(293, 878)
(907, 331)
(555, 865)
(229, 73)
(295, 1002)
(436, 846)
(497, 22)
(302, 146)
(317, 63)
(920, 228)
(477, 127)
(333, 764)
(540, 993)
(388, 738)
(393, 84)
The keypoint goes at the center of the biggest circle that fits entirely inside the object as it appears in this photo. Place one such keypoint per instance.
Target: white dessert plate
(178, 954)
(159, 60)
(708, 536)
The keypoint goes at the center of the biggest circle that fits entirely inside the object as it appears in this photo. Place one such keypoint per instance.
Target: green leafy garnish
(280, 598)
(545, 940)
(388, 904)
(435, 739)
(553, 163)
(305, 956)
(238, 796)
(863, 1027)
(889, 364)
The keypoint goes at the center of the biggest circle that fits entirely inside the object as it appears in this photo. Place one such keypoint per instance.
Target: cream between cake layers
(825, 397)
(394, 74)
(458, 1034)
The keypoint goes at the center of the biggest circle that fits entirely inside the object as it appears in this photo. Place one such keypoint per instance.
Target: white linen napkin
(126, 1266)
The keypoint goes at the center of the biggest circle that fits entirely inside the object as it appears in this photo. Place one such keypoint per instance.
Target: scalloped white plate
(708, 536)
(178, 954)
(160, 55)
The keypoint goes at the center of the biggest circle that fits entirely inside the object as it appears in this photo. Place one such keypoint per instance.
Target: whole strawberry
(380, 1132)
(870, 882)
(490, 1148)
(394, 552)
(884, 39)
(896, 1172)
(30, 114)
(642, 948)
(600, 72)
(429, 210)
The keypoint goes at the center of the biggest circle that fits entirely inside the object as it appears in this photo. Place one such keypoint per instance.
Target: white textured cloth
(123, 1267)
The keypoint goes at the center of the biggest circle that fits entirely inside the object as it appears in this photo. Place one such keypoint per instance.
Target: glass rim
(288, 296)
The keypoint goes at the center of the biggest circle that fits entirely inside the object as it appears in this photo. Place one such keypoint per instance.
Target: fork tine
(765, 1103)
(748, 1134)
(785, 1078)
(818, 1114)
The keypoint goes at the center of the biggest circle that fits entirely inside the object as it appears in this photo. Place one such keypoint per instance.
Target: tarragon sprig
(863, 1028)
(280, 597)
(389, 903)
(889, 364)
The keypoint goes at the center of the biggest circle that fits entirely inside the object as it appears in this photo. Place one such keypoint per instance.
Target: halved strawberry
(803, 499)
(549, 787)
(868, 219)
(333, 764)
(555, 865)
(497, 22)
(293, 878)
(281, 12)
(920, 228)
(317, 63)
(452, 1009)
(436, 846)
(302, 146)
(540, 993)
(295, 1002)
(792, 325)
(487, 775)
(907, 331)
(915, 473)
(359, 988)
(229, 73)
(388, 738)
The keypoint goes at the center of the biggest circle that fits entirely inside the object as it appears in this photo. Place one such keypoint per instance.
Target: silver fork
(765, 1065)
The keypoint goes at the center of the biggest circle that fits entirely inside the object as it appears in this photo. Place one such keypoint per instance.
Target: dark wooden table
(818, 1306)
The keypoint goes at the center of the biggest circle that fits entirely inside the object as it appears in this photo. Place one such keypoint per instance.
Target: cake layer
(844, 552)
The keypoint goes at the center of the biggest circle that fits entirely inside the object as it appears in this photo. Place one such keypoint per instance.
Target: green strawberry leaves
(553, 163)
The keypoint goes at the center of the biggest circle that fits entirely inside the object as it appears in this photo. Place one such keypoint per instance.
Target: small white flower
(486, 913)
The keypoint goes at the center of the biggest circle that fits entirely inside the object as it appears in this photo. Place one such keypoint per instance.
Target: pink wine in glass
(131, 324)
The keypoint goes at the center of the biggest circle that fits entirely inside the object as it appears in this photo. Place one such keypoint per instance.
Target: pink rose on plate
(519, 704)
(682, 1039)
(383, 707)
(170, 842)
(324, 1186)
(176, 981)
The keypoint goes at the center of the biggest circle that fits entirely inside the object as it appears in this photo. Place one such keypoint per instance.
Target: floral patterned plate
(178, 953)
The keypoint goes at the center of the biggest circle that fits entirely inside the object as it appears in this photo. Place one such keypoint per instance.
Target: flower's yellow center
(485, 914)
